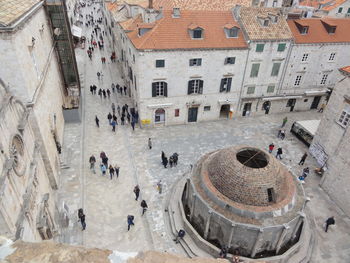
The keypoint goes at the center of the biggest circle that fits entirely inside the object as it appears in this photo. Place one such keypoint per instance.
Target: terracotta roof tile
(325, 5)
(209, 5)
(317, 32)
(173, 33)
(255, 31)
(11, 10)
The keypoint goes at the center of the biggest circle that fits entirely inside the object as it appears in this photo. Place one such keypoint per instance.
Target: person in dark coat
(144, 206)
(130, 220)
(104, 93)
(97, 122)
(165, 162)
(329, 221)
(108, 93)
(171, 161)
(149, 143)
(111, 171)
(122, 119)
(163, 155)
(180, 235)
(279, 153)
(133, 124)
(137, 192)
(303, 158)
(109, 117)
(81, 217)
(105, 161)
(176, 157)
(113, 123)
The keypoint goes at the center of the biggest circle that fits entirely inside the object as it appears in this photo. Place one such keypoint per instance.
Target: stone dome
(247, 175)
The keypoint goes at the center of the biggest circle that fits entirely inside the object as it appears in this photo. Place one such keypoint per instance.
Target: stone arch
(17, 154)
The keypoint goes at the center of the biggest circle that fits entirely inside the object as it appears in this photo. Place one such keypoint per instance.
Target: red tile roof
(209, 5)
(173, 33)
(346, 69)
(325, 5)
(317, 32)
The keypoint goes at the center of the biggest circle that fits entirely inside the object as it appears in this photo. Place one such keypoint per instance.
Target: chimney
(176, 12)
(150, 4)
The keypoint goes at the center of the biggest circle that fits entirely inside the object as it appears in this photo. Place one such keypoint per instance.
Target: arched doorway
(224, 111)
(159, 116)
(266, 106)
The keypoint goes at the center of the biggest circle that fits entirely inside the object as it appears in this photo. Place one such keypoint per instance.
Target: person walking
(159, 186)
(113, 87)
(180, 235)
(171, 161)
(98, 75)
(144, 206)
(137, 192)
(165, 162)
(303, 158)
(285, 119)
(97, 122)
(329, 221)
(323, 106)
(279, 153)
(109, 117)
(113, 108)
(81, 217)
(283, 134)
(111, 171)
(103, 169)
(125, 90)
(108, 93)
(122, 119)
(116, 169)
(271, 146)
(130, 220)
(150, 144)
(176, 157)
(133, 124)
(118, 109)
(92, 161)
(113, 123)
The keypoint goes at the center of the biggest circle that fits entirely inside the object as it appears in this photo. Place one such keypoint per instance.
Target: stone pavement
(108, 202)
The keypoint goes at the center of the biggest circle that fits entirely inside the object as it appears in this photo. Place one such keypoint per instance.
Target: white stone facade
(331, 144)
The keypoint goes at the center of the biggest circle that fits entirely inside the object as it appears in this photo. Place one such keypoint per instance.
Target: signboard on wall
(146, 121)
(317, 151)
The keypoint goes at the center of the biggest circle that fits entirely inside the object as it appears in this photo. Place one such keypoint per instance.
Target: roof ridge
(153, 30)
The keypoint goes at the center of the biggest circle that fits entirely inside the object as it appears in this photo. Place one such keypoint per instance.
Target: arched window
(159, 115)
(159, 89)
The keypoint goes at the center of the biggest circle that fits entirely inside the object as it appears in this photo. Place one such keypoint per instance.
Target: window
(270, 195)
(197, 33)
(160, 63)
(281, 47)
(251, 90)
(275, 69)
(177, 112)
(129, 51)
(159, 89)
(266, 22)
(230, 60)
(297, 80)
(304, 30)
(348, 11)
(324, 79)
(305, 57)
(331, 56)
(225, 85)
(133, 58)
(195, 86)
(259, 47)
(255, 70)
(206, 108)
(270, 89)
(233, 32)
(195, 62)
(344, 118)
(340, 10)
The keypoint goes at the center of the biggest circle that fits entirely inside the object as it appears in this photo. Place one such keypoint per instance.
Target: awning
(282, 98)
(164, 105)
(315, 92)
(76, 31)
(310, 125)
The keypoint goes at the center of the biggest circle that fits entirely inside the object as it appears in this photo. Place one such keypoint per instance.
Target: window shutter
(189, 86)
(200, 91)
(229, 80)
(222, 85)
(225, 62)
(165, 89)
(199, 62)
(154, 89)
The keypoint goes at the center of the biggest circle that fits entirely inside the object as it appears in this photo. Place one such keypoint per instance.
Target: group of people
(172, 160)
(143, 204)
(112, 169)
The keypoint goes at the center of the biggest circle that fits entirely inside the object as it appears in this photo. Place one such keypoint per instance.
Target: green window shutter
(222, 85)
(348, 10)
(259, 47)
(154, 89)
(255, 70)
(229, 81)
(275, 69)
(281, 47)
(165, 89)
(270, 88)
(190, 84)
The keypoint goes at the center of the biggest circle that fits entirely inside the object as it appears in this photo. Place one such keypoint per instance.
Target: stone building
(331, 143)
(27, 193)
(40, 86)
(269, 41)
(318, 50)
(243, 198)
(331, 8)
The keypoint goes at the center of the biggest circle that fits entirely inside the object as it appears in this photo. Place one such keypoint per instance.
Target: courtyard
(107, 202)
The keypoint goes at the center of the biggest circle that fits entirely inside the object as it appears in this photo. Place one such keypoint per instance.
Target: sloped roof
(209, 5)
(11, 10)
(173, 33)
(255, 31)
(345, 69)
(317, 32)
(325, 5)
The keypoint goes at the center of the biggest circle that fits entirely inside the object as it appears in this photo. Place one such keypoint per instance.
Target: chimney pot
(150, 4)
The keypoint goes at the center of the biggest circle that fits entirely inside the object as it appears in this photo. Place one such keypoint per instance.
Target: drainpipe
(245, 69)
(286, 63)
